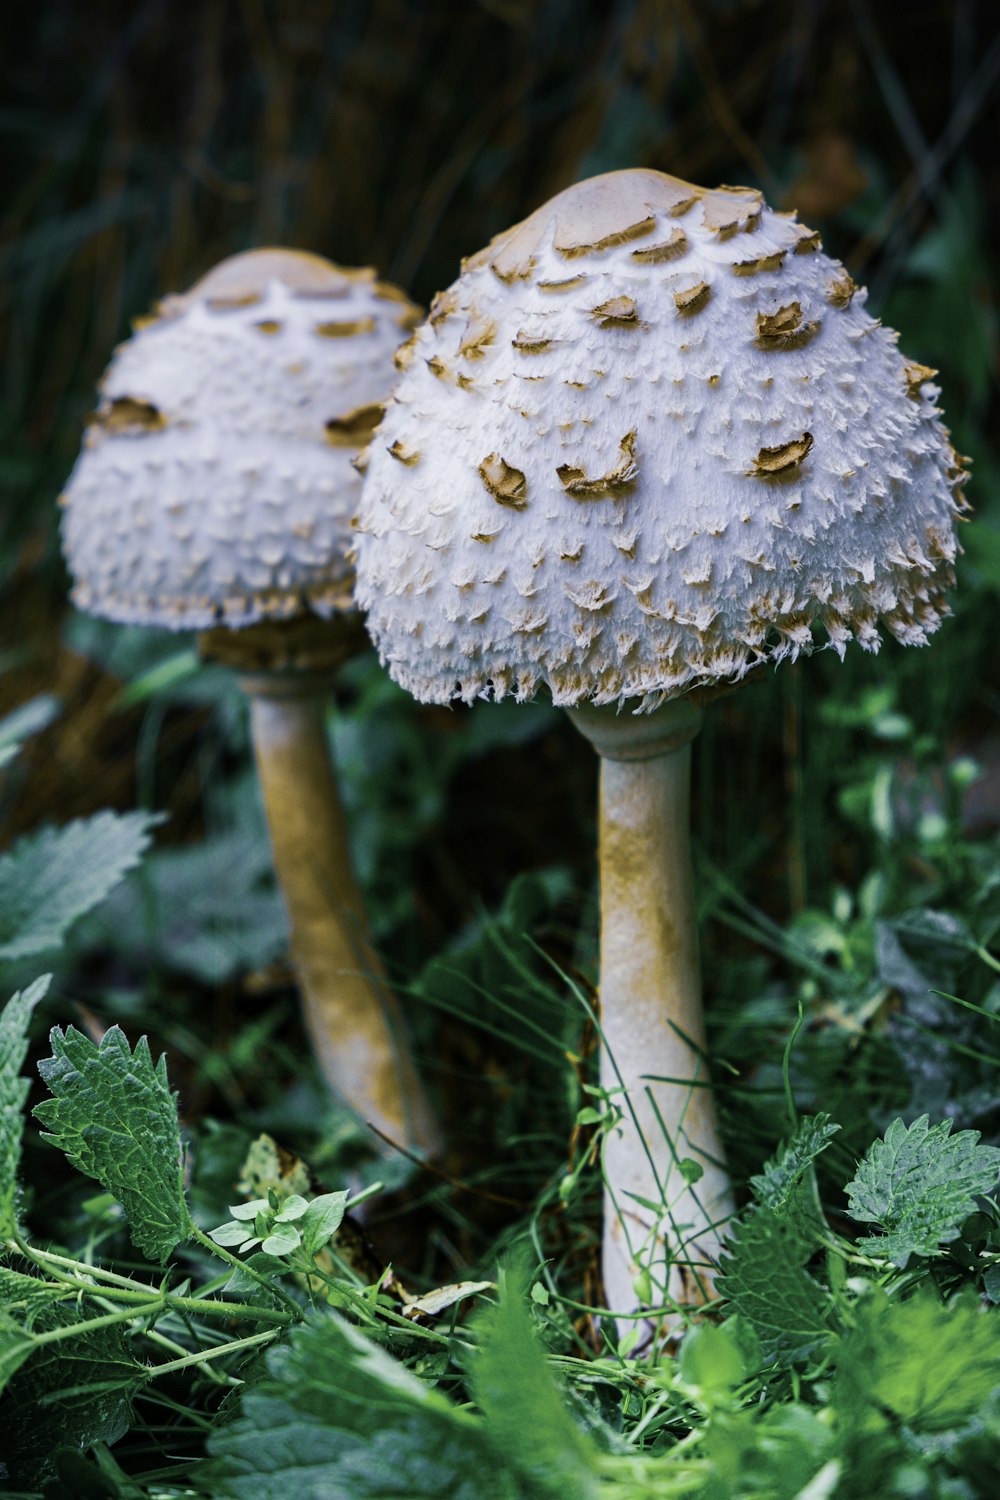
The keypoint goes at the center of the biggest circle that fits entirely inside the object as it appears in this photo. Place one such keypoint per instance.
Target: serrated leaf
(521, 1402)
(113, 1114)
(13, 1092)
(775, 1186)
(50, 878)
(336, 1418)
(930, 1364)
(74, 1392)
(764, 1277)
(919, 1184)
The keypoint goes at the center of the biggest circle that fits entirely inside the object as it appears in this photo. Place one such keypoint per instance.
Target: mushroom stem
(352, 1015)
(653, 1055)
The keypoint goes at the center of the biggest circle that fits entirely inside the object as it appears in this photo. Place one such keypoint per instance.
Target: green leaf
(322, 1219)
(712, 1356)
(525, 1413)
(775, 1186)
(230, 1234)
(336, 1418)
(13, 1092)
(113, 1114)
(764, 1277)
(50, 878)
(282, 1240)
(918, 1185)
(28, 719)
(72, 1392)
(931, 1364)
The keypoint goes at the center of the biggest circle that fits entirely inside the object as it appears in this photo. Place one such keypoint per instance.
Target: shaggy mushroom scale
(654, 441)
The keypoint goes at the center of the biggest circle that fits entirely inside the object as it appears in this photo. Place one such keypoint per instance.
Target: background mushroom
(214, 492)
(651, 439)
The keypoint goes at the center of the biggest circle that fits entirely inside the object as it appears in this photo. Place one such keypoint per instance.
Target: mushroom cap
(649, 439)
(216, 481)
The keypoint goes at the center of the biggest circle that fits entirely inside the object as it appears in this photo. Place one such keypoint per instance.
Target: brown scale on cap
(127, 416)
(915, 375)
(480, 334)
(784, 329)
(575, 482)
(506, 484)
(399, 450)
(531, 343)
(355, 428)
(570, 284)
(840, 292)
(346, 328)
(782, 458)
(617, 312)
(773, 262)
(669, 249)
(693, 299)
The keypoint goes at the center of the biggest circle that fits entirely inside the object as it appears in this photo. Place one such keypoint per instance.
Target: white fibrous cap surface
(216, 483)
(649, 439)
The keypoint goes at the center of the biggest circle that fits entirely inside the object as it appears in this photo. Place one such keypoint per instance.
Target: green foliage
(31, 718)
(336, 1418)
(765, 1278)
(525, 1411)
(209, 910)
(930, 1364)
(918, 1185)
(51, 878)
(281, 1226)
(768, 1250)
(113, 1114)
(778, 1182)
(66, 1382)
(13, 1094)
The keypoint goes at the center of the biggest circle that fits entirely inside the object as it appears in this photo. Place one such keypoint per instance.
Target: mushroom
(214, 493)
(682, 450)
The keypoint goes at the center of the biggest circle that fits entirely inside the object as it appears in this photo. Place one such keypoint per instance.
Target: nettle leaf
(918, 1185)
(931, 1364)
(113, 1114)
(50, 878)
(775, 1187)
(524, 1409)
(70, 1392)
(13, 1092)
(764, 1277)
(336, 1418)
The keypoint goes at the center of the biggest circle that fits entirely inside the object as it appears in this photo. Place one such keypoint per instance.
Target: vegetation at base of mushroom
(863, 1241)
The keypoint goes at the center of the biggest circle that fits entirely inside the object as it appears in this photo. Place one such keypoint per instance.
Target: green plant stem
(203, 1356)
(255, 1275)
(42, 1257)
(88, 1325)
(124, 1290)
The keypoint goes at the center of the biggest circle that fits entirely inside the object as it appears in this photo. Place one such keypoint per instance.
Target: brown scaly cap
(649, 439)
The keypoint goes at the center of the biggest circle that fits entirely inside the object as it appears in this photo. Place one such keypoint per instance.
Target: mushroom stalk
(653, 1055)
(352, 1015)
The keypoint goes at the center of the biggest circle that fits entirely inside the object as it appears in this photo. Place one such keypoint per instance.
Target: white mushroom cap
(649, 439)
(216, 482)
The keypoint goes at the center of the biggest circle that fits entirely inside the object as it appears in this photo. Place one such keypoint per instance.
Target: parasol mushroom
(213, 493)
(648, 441)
